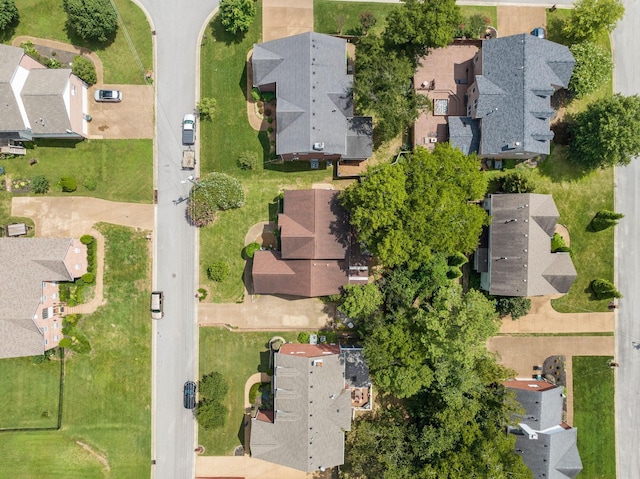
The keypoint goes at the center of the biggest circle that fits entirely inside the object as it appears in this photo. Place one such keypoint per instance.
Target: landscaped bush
(202, 294)
(457, 259)
(40, 184)
(64, 292)
(84, 69)
(558, 244)
(218, 271)
(251, 249)
(87, 239)
(88, 278)
(515, 306)
(255, 94)
(454, 273)
(207, 107)
(303, 337)
(248, 160)
(605, 219)
(603, 289)
(268, 96)
(77, 340)
(68, 184)
(90, 183)
(517, 182)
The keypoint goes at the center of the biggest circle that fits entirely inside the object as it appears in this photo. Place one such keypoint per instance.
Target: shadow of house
(514, 257)
(316, 252)
(548, 445)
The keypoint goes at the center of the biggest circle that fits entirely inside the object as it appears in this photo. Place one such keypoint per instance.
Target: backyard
(236, 356)
(106, 425)
(594, 416)
(120, 170)
(46, 19)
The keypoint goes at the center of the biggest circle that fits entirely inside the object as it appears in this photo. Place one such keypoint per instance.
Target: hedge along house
(508, 103)
(514, 257)
(38, 102)
(30, 309)
(314, 94)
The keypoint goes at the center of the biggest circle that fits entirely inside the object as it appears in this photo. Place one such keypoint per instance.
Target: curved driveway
(177, 27)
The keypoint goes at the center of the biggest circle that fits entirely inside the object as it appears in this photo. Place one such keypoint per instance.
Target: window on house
(45, 329)
(475, 103)
(54, 296)
(55, 325)
(55, 338)
(46, 341)
(45, 313)
(74, 90)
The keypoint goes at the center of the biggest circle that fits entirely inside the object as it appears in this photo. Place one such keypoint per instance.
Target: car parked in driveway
(107, 96)
(189, 394)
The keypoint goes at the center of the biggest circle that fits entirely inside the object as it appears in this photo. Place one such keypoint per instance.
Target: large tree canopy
(91, 19)
(8, 13)
(410, 210)
(590, 18)
(607, 133)
(420, 25)
(593, 67)
(237, 16)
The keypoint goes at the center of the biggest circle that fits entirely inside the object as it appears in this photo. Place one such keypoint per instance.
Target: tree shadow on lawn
(93, 45)
(53, 143)
(221, 35)
(265, 361)
(557, 167)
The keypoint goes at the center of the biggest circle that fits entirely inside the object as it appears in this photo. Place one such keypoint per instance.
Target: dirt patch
(99, 457)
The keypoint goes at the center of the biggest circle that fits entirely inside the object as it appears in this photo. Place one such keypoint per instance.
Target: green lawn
(107, 393)
(5, 213)
(594, 416)
(236, 356)
(489, 12)
(22, 380)
(46, 19)
(224, 138)
(123, 169)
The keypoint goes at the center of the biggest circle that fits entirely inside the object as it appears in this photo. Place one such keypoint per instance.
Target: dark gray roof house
(509, 103)
(547, 444)
(26, 266)
(314, 92)
(312, 407)
(514, 257)
(37, 102)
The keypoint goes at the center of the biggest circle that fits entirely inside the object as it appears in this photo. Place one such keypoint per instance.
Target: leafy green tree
(237, 16)
(367, 21)
(593, 66)
(408, 211)
(517, 182)
(91, 19)
(514, 306)
(213, 386)
(607, 133)
(84, 69)
(590, 18)
(211, 414)
(605, 219)
(360, 302)
(8, 14)
(216, 191)
(384, 87)
(207, 107)
(421, 25)
(40, 184)
(603, 289)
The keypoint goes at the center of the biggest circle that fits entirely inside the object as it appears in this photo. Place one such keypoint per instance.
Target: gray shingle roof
(464, 133)
(519, 75)
(24, 264)
(312, 409)
(520, 262)
(314, 92)
(10, 118)
(43, 100)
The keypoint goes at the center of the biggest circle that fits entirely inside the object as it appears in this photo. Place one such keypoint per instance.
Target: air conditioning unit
(318, 146)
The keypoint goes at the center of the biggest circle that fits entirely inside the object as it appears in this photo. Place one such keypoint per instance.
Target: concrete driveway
(284, 18)
(248, 468)
(132, 118)
(59, 217)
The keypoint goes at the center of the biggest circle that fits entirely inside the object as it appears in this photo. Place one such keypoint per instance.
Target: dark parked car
(189, 394)
(108, 95)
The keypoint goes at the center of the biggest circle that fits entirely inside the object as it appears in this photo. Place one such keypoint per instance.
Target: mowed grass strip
(107, 393)
(30, 393)
(594, 416)
(122, 169)
(236, 356)
(47, 19)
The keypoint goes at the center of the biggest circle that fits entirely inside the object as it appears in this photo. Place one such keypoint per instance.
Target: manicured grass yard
(23, 381)
(236, 356)
(123, 169)
(594, 416)
(224, 138)
(107, 393)
(46, 19)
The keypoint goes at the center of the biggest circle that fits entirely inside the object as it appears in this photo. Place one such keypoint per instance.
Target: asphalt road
(175, 342)
(627, 201)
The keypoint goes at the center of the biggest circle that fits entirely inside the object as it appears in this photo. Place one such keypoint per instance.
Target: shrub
(593, 67)
(90, 183)
(255, 94)
(87, 239)
(217, 191)
(269, 120)
(65, 343)
(251, 249)
(367, 21)
(515, 306)
(517, 182)
(91, 19)
(64, 292)
(303, 337)
(248, 160)
(557, 242)
(68, 184)
(457, 259)
(202, 294)
(207, 107)
(454, 273)
(236, 16)
(84, 69)
(270, 130)
(40, 184)
(53, 63)
(268, 96)
(603, 289)
(88, 278)
(8, 13)
(605, 219)
(218, 271)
